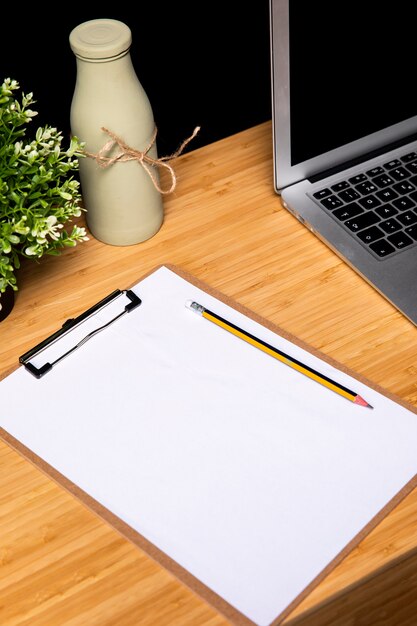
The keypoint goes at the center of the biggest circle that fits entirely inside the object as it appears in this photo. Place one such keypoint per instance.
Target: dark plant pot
(7, 303)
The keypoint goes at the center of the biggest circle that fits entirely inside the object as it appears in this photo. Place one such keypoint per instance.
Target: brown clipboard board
(214, 599)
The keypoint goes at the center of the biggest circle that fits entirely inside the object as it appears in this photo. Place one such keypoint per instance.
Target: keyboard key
(386, 195)
(359, 178)
(348, 211)
(347, 195)
(412, 167)
(369, 202)
(375, 171)
(391, 164)
(413, 196)
(332, 202)
(386, 211)
(339, 186)
(399, 173)
(403, 187)
(403, 204)
(400, 240)
(371, 234)
(413, 180)
(362, 221)
(412, 231)
(411, 156)
(391, 226)
(365, 187)
(408, 218)
(323, 193)
(382, 248)
(383, 181)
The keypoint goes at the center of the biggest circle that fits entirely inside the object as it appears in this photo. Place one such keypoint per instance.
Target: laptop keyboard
(378, 206)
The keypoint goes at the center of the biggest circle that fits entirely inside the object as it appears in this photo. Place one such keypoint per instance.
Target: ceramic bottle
(123, 204)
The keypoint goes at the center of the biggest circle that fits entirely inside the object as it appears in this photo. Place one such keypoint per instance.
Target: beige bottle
(123, 204)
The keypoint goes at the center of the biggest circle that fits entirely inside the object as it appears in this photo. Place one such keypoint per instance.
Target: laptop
(344, 119)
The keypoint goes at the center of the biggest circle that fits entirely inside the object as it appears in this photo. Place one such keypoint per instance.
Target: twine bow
(127, 153)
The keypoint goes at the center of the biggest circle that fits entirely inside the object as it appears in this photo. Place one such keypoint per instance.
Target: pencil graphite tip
(359, 400)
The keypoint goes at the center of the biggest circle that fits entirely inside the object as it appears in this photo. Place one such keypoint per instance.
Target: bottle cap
(100, 39)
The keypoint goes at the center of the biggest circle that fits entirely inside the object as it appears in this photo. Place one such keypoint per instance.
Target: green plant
(39, 193)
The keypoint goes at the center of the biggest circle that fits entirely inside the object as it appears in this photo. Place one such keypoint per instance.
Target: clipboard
(205, 453)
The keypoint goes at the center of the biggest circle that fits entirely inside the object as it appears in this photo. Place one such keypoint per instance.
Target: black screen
(352, 71)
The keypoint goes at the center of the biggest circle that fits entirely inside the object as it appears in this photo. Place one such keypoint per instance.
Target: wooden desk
(62, 565)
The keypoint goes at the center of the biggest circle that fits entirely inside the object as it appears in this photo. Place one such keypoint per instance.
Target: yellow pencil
(281, 356)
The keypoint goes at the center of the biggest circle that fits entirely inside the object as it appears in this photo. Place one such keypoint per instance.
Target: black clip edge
(69, 324)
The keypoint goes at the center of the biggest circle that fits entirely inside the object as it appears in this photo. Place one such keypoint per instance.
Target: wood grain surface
(60, 564)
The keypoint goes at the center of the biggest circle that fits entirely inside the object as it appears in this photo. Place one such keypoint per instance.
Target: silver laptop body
(344, 118)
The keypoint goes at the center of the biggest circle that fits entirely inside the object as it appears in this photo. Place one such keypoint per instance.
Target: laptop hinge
(364, 157)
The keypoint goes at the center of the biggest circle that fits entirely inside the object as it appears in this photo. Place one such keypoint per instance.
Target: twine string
(127, 153)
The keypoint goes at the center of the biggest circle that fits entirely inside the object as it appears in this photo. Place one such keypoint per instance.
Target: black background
(201, 64)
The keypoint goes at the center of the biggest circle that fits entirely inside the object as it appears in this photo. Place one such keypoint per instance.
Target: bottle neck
(99, 78)
(125, 53)
(105, 70)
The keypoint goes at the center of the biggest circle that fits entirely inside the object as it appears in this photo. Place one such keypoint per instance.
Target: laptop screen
(352, 72)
